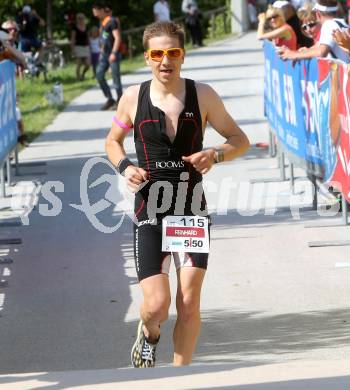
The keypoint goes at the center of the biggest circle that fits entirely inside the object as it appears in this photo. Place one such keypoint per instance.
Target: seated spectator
(7, 52)
(310, 26)
(281, 34)
(326, 11)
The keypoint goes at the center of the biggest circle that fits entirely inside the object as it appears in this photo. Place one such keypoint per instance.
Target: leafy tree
(131, 13)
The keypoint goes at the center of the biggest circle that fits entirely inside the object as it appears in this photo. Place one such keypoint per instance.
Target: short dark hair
(159, 29)
(98, 5)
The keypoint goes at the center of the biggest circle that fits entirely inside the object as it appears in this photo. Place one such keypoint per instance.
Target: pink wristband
(122, 124)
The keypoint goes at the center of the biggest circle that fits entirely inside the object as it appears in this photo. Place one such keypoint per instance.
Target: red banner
(184, 232)
(339, 125)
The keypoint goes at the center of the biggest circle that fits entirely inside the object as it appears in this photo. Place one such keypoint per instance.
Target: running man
(169, 115)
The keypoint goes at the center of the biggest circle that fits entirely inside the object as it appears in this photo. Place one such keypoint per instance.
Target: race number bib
(185, 234)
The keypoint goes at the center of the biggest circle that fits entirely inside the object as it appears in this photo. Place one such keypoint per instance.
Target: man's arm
(117, 40)
(41, 20)
(14, 54)
(115, 139)
(236, 143)
(315, 51)
(342, 38)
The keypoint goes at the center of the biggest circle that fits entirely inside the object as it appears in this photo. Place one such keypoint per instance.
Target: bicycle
(53, 57)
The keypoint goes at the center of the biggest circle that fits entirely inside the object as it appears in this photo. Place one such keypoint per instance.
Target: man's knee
(157, 307)
(100, 74)
(188, 307)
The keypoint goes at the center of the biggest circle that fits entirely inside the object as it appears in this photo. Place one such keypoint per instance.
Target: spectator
(161, 11)
(292, 19)
(22, 138)
(109, 56)
(95, 47)
(297, 3)
(348, 10)
(7, 51)
(11, 27)
(192, 20)
(309, 23)
(342, 38)
(29, 21)
(326, 11)
(252, 13)
(80, 46)
(281, 34)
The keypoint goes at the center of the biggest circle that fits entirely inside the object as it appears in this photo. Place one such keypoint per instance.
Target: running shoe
(143, 353)
(109, 104)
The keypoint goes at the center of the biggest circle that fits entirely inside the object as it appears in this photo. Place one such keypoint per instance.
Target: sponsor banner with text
(307, 106)
(8, 123)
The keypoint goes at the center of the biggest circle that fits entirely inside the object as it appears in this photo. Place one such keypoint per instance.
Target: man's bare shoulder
(207, 96)
(131, 93)
(205, 90)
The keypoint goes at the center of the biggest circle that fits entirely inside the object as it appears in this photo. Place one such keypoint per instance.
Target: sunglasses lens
(157, 54)
(174, 53)
(308, 25)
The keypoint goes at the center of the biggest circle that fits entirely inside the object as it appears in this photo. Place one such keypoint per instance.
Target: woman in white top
(161, 11)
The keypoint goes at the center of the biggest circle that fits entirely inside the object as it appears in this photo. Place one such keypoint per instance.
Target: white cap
(280, 3)
(323, 8)
(26, 9)
(4, 36)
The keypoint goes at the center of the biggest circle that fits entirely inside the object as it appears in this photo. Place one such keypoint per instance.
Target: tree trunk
(49, 19)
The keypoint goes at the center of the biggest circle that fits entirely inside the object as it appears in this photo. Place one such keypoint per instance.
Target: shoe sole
(139, 329)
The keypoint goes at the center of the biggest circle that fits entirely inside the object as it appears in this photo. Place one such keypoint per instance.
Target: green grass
(36, 111)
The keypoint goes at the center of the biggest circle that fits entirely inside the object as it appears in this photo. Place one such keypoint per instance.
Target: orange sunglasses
(158, 54)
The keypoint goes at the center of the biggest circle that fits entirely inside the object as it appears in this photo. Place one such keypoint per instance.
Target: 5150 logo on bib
(185, 234)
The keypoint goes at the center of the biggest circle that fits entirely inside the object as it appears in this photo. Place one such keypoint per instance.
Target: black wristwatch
(218, 156)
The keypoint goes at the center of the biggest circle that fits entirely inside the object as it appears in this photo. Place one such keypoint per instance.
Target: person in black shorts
(110, 55)
(169, 115)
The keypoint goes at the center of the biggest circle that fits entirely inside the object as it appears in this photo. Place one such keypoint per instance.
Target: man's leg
(101, 70)
(155, 306)
(188, 323)
(115, 67)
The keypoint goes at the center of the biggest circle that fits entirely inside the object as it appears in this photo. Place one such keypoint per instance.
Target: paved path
(72, 297)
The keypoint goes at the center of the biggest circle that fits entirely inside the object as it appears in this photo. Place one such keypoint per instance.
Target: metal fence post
(2, 182)
(345, 210)
(16, 161)
(8, 170)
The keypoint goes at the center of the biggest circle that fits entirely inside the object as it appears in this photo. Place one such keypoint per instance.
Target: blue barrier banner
(292, 107)
(8, 123)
